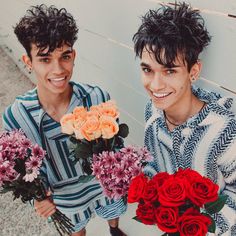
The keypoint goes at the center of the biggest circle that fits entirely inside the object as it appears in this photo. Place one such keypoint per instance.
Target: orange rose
(96, 108)
(80, 114)
(77, 130)
(92, 113)
(79, 111)
(91, 128)
(67, 123)
(109, 108)
(109, 127)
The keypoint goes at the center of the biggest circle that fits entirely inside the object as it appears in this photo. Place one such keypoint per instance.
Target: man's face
(169, 88)
(53, 70)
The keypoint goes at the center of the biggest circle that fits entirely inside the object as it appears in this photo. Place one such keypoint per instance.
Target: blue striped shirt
(59, 173)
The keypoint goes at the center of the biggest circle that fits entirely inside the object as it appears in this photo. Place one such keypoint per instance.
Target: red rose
(188, 173)
(203, 190)
(146, 213)
(160, 178)
(193, 223)
(172, 193)
(136, 188)
(150, 192)
(167, 219)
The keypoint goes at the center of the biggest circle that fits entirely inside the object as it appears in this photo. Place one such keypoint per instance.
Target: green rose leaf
(123, 130)
(98, 147)
(137, 219)
(214, 207)
(83, 150)
(212, 227)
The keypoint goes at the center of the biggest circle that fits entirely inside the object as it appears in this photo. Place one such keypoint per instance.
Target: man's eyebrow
(171, 66)
(47, 54)
(67, 51)
(144, 64)
(41, 54)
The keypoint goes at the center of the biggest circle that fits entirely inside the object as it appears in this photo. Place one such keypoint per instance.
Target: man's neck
(181, 114)
(54, 104)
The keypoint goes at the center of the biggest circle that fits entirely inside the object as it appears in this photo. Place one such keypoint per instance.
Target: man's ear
(195, 71)
(27, 61)
(74, 53)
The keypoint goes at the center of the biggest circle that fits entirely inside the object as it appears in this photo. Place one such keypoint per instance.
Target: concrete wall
(105, 54)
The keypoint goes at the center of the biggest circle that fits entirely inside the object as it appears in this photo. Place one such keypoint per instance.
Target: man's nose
(57, 67)
(158, 81)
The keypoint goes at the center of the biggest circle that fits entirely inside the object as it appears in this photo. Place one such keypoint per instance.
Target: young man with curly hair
(186, 127)
(48, 35)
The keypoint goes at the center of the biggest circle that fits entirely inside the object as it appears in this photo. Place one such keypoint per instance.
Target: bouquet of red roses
(93, 130)
(179, 203)
(20, 161)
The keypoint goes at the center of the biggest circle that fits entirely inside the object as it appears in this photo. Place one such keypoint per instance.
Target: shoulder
(148, 111)
(12, 114)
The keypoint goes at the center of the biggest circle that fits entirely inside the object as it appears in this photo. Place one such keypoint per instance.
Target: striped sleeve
(8, 119)
(227, 165)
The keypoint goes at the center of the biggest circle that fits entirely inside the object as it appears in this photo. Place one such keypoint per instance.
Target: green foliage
(214, 207)
(212, 227)
(137, 219)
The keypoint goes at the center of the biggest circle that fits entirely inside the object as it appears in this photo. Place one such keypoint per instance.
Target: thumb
(49, 193)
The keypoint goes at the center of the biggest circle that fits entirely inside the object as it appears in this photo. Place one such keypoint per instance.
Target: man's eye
(146, 70)
(170, 72)
(44, 59)
(66, 57)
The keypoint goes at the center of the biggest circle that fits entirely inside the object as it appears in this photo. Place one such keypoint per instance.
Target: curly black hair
(46, 27)
(169, 32)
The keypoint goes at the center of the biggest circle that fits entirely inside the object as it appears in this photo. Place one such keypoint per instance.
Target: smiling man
(186, 127)
(48, 35)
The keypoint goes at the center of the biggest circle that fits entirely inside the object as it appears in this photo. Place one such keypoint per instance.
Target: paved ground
(18, 219)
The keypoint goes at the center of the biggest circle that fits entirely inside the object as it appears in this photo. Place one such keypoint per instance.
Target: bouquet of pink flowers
(179, 204)
(20, 161)
(93, 131)
(115, 170)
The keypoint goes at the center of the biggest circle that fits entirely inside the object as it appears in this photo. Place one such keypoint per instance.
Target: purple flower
(96, 170)
(31, 175)
(3, 172)
(15, 145)
(115, 170)
(33, 163)
(38, 151)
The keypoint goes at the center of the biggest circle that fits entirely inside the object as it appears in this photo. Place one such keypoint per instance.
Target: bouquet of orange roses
(93, 131)
(180, 204)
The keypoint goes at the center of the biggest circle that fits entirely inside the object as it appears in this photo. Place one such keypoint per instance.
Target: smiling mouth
(57, 79)
(160, 95)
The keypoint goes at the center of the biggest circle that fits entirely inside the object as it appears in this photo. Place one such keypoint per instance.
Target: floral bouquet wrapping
(92, 132)
(114, 170)
(179, 204)
(20, 161)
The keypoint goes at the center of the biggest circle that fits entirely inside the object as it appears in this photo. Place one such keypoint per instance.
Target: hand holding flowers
(20, 161)
(180, 204)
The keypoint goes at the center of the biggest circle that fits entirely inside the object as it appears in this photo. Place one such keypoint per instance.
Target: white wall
(104, 47)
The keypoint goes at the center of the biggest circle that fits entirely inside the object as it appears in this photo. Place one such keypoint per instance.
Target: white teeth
(160, 95)
(57, 79)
